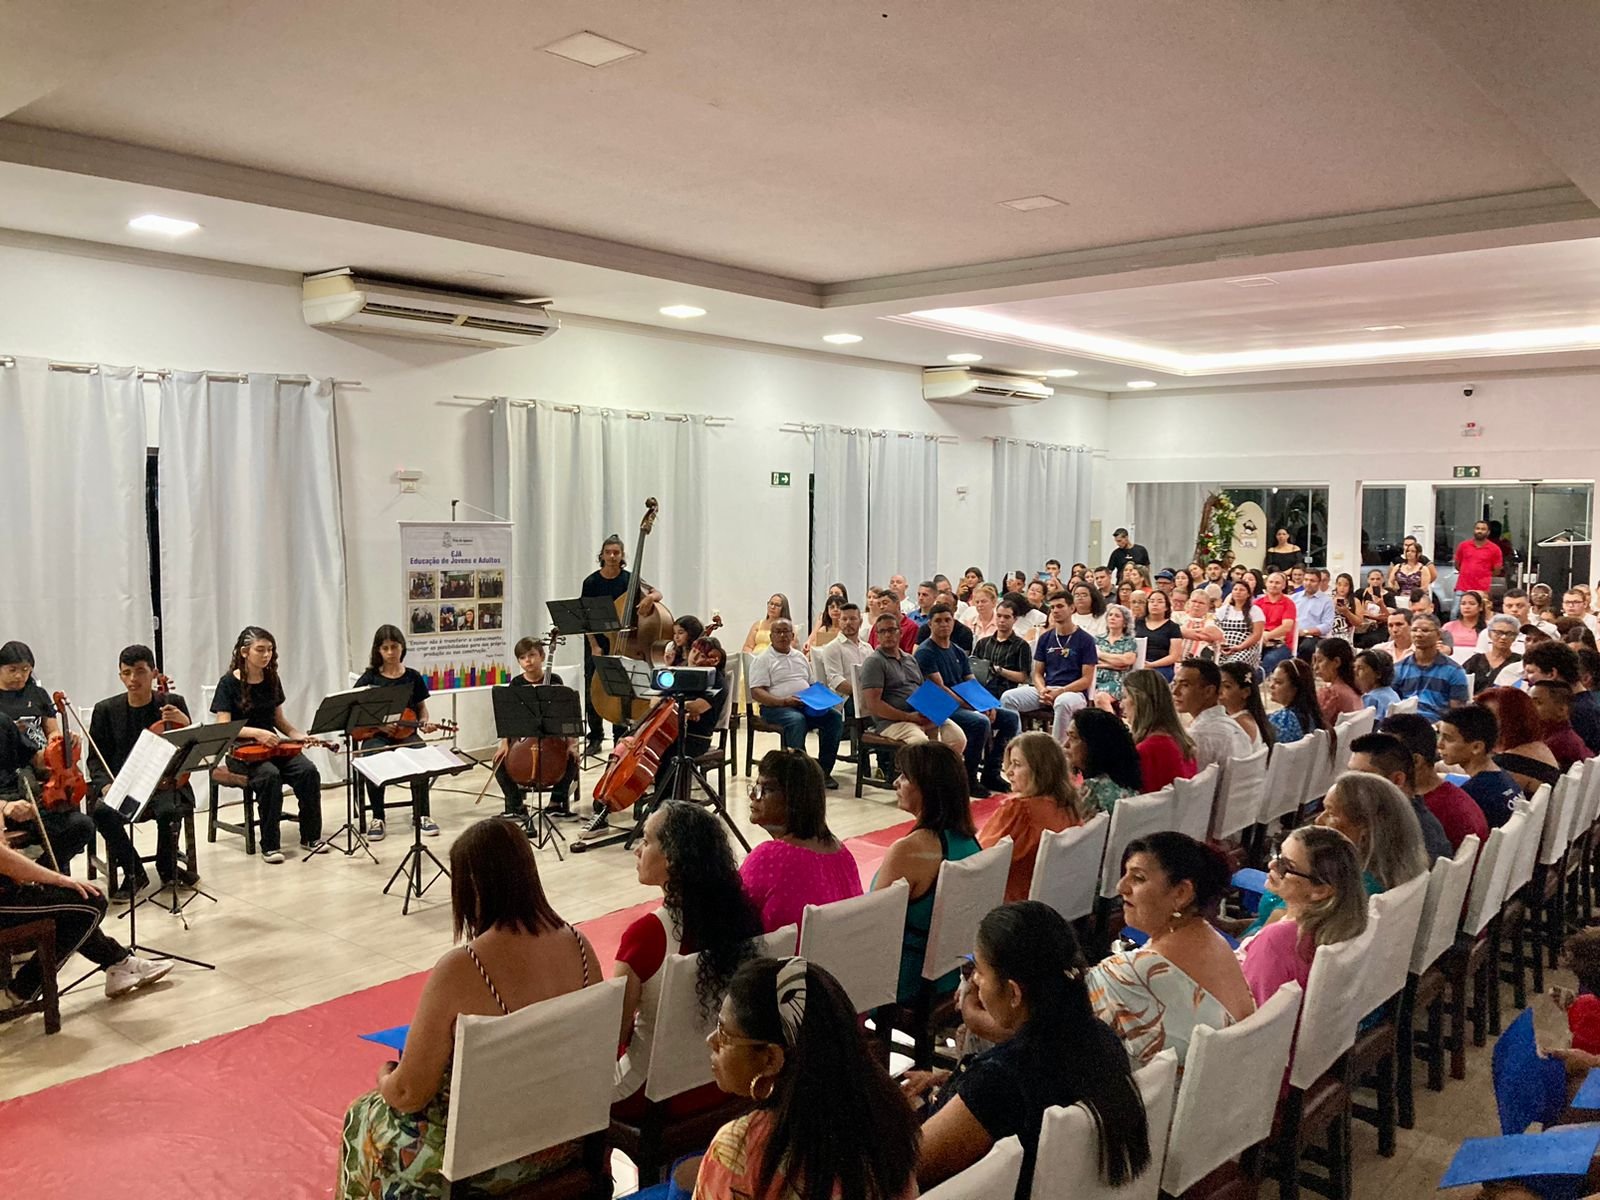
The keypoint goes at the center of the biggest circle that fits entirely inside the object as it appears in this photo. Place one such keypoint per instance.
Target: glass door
(1520, 516)
(1561, 519)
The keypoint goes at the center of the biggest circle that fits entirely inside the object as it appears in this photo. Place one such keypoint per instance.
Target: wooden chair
(1240, 794)
(1548, 891)
(40, 938)
(992, 1177)
(1288, 772)
(864, 739)
(724, 753)
(859, 942)
(221, 777)
(568, 1044)
(1067, 867)
(752, 717)
(1067, 1166)
(1479, 943)
(1430, 984)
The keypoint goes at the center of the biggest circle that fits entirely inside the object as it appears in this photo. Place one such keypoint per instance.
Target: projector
(683, 681)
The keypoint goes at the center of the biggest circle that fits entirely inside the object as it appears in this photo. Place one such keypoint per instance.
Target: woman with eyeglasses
(1027, 992)
(1499, 665)
(1088, 609)
(803, 863)
(1317, 876)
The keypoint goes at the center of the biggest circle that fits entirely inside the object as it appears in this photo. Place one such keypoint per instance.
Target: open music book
(403, 762)
(134, 785)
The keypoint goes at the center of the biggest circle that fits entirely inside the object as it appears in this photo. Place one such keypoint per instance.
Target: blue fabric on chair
(1527, 1088)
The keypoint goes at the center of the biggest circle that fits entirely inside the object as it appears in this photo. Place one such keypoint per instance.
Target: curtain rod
(631, 414)
(944, 439)
(990, 437)
(166, 372)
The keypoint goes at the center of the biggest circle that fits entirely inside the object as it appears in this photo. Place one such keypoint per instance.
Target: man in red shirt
(1456, 811)
(1280, 615)
(1478, 561)
(882, 600)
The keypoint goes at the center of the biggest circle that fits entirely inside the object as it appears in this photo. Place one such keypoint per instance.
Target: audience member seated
(1139, 606)
(1240, 697)
(1027, 995)
(1166, 752)
(1386, 756)
(1294, 690)
(1202, 637)
(1278, 617)
(1422, 602)
(984, 602)
(779, 674)
(1037, 618)
(1313, 615)
(760, 635)
(1161, 634)
(1101, 750)
(1399, 644)
(1117, 654)
(1350, 619)
(1552, 699)
(1467, 738)
(1499, 665)
(1088, 609)
(832, 661)
(1521, 749)
(803, 863)
(1586, 701)
(987, 732)
(1042, 798)
(1457, 813)
(1381, 823)
(881, 602)
(686, 631)
(828, 1119)
(1374, 675)
(1185, 975)
(1064, 662)
(1243, 625)
(1558, 664)
(1413, 570)
(827, 626)
(887, 679)
(1468, 627)
(1429, 674)
(1316, 877)
(1217, 737)
(518, 952)
(1515, 604)
(1334, 664)
(932, 787)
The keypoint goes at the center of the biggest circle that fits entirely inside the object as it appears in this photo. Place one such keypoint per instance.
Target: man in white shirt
(779, 674)
(1315, 614)
(832, 663)
(1515, 604)
(1399, 644)
(1217, 736)
(900, 588)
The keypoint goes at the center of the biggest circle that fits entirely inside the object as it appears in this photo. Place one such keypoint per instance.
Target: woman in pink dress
(803, 863)
(1319, 878)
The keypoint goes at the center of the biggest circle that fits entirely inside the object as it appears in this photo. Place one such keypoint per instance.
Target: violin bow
(38, 819)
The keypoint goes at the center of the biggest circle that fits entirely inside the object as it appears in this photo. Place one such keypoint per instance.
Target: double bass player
(610, 581)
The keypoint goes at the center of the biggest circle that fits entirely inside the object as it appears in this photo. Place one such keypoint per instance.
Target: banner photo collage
(453, 580)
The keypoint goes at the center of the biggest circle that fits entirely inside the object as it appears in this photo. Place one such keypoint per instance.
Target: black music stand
(199, 748)
(549, 711)
(581, 617)
(343, 713)
(411, 865)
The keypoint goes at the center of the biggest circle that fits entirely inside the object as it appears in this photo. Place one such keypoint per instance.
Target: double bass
(643, 638)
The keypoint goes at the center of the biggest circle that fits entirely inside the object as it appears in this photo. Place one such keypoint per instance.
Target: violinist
(251, 692)
(114, 729)
(610, 581)
(530, 654)
(24, 701)
(386, 668)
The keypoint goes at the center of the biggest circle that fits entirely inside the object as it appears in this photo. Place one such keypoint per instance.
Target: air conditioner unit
(345, 300)
(986, 389)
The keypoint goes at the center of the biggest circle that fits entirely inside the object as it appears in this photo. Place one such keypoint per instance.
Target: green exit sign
(780, 479)
(1468, 472)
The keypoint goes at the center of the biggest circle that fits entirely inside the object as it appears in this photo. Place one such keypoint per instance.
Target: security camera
(1469, 389)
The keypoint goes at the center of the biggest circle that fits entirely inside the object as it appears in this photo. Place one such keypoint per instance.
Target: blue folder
(819, 698)
(933, 702)
(1535, 1158)
(1589, 1091)
(394, 1038)
(975, 694)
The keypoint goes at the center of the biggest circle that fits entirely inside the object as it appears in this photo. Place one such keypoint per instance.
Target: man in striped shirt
(1434, 678)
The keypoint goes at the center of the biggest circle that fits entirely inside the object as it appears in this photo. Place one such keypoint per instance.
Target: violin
(163, 686)
(251, 753)
(403, 727)
(539, 762)
(66, 787)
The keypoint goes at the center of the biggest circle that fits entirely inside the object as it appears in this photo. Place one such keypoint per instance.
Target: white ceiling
(799, 169)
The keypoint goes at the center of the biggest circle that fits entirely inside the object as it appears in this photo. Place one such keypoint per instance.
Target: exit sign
(1468, 472)
(781, 478)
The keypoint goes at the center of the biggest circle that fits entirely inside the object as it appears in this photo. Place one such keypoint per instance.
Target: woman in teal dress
(933, 788)
(518, 952)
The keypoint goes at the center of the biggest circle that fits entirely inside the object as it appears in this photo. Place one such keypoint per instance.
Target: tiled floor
(289, 936)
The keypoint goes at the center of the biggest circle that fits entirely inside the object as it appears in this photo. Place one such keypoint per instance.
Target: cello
(643, 638)
(539, 761)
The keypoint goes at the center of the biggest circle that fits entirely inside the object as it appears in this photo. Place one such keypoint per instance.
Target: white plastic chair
(1400, 911)
(1347, 729)
(1230, 1090)
(1139, 647)
(992, 1177)
(1319, 767)
(1287, 775)
(567, 1043)
(1193, 801)
(1410, 704)
(859, 941)
(1067, 1166)
(1134, 817)
(1239, 794)
(966, 893)
(1067, 868)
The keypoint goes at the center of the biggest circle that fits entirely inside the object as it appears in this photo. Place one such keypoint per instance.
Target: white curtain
(1166, 518)
(1039, 505)
(840, 459)
(567, 477)
(903, 506)
(251, 531)
(73, 535)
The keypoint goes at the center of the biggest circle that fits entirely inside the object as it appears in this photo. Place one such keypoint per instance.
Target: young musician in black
(251, 691)
(387, 668)
(114, 728)
(530, 657)
(610, 581)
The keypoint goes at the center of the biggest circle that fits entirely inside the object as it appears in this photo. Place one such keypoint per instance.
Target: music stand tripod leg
(411, 865)
(353, 837)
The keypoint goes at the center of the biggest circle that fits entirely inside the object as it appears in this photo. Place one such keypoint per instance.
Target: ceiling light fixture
(167, 226)
(1379, 328)
(1032, 203)
(591, 50)
(682, 311)
(1140, 385)
(1060, 373)
(842, 339)
(963, 358)
(1250, 281)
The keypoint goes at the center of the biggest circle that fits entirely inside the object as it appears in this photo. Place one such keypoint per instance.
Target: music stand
(538, 712)
(580, 617)
(343, 713)
(200, 747)
(429, 763)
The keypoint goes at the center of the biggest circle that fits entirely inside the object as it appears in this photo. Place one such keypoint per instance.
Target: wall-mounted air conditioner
(987, 389)
(343, 300)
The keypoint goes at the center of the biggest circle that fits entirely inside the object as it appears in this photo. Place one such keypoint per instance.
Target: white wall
(1534, 427)
(80, 303)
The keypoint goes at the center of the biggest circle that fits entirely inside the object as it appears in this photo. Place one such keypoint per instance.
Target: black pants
(419, 787)
(266, 783)
(595, 722)
(77, 921)
(167, 809)
(560, 795)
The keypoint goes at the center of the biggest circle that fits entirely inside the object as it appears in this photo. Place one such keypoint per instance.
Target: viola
(642, 638)
(66, 786)
(539, 761)
(636, 759)
(404, 727)
(251, 753)
(162, 688)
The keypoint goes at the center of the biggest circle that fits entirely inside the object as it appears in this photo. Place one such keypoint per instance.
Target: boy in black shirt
(530, 657)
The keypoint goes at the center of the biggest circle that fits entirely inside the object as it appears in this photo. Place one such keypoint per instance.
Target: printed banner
(453, 582)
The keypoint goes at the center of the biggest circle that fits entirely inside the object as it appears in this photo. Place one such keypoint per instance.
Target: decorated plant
(1218, 517)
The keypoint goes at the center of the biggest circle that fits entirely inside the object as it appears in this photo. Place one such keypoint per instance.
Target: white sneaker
(430, 827)
(272, 856)
(375, 831)
(133, 972)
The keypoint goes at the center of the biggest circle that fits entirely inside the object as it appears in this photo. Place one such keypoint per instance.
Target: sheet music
(405, 761)
(136, 782)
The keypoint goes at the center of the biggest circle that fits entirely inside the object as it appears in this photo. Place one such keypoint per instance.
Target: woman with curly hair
(704, 910)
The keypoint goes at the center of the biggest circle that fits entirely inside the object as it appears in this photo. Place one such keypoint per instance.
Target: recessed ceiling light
(1141, 384)
(1030, 203)
(963, 358)
(170, 226)
(1379, 328)
(590, 49)
(682, 311)
(1253, 281)
(842, 339)
(1060, 373)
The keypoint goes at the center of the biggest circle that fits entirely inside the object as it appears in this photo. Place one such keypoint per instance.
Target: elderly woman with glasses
(1499, 665)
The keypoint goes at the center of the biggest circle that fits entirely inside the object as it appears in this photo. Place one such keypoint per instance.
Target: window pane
(1383, 524)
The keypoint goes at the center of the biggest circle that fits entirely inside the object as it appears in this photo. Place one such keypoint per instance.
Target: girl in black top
(251, 692)
(1161, 633)
(386, 668)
